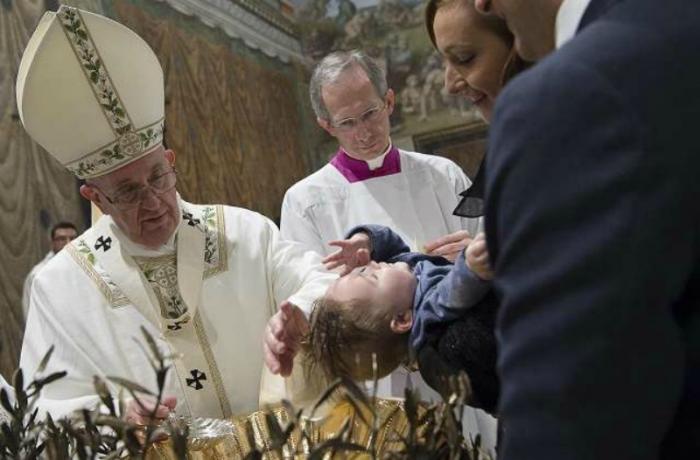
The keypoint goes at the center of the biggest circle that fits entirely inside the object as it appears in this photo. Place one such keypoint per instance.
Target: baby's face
(377, 284)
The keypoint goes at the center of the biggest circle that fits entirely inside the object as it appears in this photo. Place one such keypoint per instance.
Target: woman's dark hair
(514, 65)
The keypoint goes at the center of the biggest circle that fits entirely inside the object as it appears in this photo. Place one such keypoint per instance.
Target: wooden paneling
(463, 144)
(35, 191)
(233, 121)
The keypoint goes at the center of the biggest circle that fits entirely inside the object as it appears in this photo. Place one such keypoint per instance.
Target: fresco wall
(393, 32)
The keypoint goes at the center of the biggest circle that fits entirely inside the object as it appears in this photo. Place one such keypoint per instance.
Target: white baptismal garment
(208, 306)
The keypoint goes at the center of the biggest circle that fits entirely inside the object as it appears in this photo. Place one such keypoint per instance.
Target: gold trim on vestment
(215, 225)
(213, 367)
(111, 291)
(129, 142)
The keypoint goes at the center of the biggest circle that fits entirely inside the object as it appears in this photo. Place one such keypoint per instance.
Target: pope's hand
(282, 338)
(353, 252)
(449, 246)
(140, 414)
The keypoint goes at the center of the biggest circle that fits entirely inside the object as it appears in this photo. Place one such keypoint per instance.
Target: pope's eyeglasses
(132, 197)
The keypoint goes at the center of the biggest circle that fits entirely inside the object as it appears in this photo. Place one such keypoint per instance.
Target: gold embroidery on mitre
(130, 141)
(113, 155)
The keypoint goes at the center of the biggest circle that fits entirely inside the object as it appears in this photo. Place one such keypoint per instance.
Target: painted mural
(393, 32)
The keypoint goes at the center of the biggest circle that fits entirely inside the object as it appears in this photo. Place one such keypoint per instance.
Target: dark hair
(514, 65)
(60, 225)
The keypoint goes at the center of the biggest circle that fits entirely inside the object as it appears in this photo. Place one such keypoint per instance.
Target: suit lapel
(595, 10)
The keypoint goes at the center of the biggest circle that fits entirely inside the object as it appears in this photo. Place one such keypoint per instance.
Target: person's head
(352, 102)
(531, 21)
(108, 87)
(477, 50)
(364, 318)
(140, 197)
(61, 234)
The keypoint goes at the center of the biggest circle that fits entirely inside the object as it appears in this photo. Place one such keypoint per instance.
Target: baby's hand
(477, 255)
(353, 252)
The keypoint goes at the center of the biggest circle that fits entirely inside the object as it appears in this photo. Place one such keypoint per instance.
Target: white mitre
(90, 92)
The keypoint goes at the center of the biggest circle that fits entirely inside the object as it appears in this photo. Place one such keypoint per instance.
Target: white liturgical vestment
(205, 297)
(416, 203)
(26, 288)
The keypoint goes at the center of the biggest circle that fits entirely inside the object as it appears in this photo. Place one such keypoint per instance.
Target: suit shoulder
(559, 86)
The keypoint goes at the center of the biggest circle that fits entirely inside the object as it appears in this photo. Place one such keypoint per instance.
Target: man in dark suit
(593, 221)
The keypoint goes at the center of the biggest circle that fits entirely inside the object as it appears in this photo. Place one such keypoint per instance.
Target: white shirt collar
(376, 163)
(568, 18)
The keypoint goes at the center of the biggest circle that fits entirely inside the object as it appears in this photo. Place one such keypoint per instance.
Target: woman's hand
(477, 256)
(449, 246)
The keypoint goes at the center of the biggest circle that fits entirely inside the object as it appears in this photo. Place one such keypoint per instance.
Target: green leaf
(51, 378)
(18, 380)
(161, 374)
(45, 360)
(104, 394)
(277, 437)
(327, 393)
(129, 385)
(5, 401)
(357, 410)
(356, 391)
(151, 344)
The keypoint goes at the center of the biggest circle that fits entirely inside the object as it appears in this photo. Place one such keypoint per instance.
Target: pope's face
(531, 21)
(152, 220)
(359, 117)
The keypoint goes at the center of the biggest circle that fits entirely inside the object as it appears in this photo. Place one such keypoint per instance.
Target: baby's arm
(384, 242)
(362, 243)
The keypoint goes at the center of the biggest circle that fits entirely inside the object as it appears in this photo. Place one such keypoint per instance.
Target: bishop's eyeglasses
(370, 116)
(132, 196)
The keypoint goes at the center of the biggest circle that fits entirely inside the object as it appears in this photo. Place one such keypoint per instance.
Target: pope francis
(202, 279)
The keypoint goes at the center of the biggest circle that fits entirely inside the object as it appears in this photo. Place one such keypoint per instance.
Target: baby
(389, 302)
